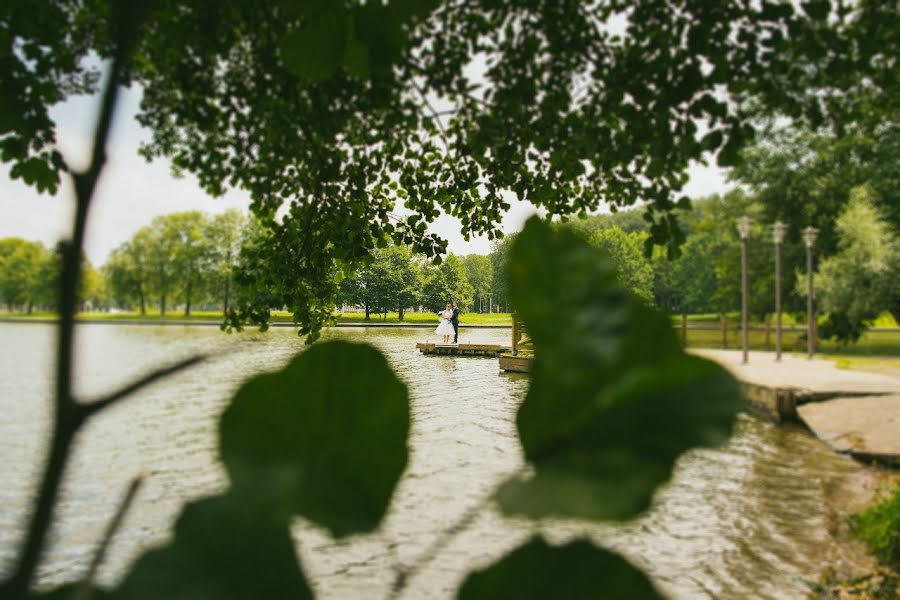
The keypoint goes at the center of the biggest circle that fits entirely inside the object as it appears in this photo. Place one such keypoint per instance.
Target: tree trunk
(143, 301)
(30, 307)
(187, 300)
(400, 314)
(162, 305)
(367, 312)
(227, 290)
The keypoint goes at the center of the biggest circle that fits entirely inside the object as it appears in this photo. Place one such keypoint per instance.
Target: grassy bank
(427, 317)
(881, 344)
(278, 316)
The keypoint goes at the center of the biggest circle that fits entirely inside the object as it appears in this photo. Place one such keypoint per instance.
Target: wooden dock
(492, 350)
(516, 364)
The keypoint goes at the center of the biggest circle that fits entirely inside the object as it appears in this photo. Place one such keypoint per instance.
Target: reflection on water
(752, 519)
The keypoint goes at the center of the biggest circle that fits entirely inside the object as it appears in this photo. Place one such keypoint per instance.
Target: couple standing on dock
(449, 323)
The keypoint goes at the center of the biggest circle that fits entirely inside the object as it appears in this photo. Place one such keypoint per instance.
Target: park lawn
(872, 343)
(414, 318)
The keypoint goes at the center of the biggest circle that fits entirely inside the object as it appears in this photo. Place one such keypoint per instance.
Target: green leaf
(317, 51)
(817, 9)
(574, 571)
(328, 445)
(223, 550)
(613, 400)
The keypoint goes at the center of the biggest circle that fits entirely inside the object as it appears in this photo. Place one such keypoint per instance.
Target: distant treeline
(187, 260)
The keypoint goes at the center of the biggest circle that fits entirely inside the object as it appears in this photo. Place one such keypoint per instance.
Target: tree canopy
(332, 114)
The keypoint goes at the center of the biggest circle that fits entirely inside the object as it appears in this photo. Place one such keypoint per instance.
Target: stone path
(855, 412)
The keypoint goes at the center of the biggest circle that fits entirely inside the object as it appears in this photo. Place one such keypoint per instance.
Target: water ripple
(751, 519)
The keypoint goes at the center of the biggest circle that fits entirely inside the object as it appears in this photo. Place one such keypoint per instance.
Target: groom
(455, 322)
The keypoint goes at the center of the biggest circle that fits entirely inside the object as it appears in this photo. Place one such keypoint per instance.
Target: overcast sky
(131, 191)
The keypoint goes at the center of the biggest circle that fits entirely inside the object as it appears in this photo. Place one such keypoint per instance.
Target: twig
(69, 416)
(404, 575)
(151, 377)
(84, 590)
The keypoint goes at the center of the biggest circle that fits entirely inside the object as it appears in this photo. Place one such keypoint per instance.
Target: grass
(871, 344)
(429, 318)
(277, 316)
(879, 527)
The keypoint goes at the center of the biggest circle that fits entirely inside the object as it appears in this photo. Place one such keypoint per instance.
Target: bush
(879, 527)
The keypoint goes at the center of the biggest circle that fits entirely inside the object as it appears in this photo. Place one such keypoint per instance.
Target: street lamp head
(778, 231)
(809, 236)
(743, 225)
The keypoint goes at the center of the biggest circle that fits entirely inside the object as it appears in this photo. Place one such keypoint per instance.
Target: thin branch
(69, 416)
(404, 575)
(84, 590)
(151, 377)
(433, 112)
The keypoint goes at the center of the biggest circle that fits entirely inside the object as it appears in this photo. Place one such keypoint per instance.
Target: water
(752, 519)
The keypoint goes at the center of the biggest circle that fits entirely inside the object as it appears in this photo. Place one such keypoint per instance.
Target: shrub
(879, 527)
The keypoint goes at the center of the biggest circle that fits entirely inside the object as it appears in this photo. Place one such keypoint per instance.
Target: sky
(131, 191)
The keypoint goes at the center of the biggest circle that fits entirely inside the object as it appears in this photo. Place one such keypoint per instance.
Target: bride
(446, 327)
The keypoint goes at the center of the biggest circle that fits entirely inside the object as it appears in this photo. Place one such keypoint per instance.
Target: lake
(751, 519)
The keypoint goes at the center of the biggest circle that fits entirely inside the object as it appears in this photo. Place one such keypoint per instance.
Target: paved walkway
(820, 376)
(855, 412)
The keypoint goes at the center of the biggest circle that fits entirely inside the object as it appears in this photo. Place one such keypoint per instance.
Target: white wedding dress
(446, 327)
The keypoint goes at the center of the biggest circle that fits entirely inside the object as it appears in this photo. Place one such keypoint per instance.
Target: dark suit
(455, 322)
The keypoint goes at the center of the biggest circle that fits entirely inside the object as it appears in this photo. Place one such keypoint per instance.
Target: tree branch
(148, 379)
(69, 416)
(84, 590)
(404, 575)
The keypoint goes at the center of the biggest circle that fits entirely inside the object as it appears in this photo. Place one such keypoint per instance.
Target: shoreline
(216, 323)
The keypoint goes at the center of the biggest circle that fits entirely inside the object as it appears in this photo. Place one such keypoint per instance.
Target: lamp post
(743, 226)
(778, 231)
(809, 236)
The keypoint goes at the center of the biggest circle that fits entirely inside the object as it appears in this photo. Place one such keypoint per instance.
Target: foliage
(189, 256)
(591, 391)
(577, 570)
(633, 270)
(480, 273)
(446, 283)
(390, 282)
(861, 280)
(226, 234)
(500, 272)
(284, 438)
(805, 179)
(341, 111)
(879, 527)
(28, 274)
(127, 276)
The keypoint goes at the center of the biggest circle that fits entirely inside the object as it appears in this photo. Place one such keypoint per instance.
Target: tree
(127, 274)
(27, 274)
(627, 253)
(389, 282)
(93, 293)
(226, 234)
(805, 179)
(480, 273)
(860, 281)
(499, 257)
(160, 242)
(567, 121)
(446, 283)
(191, 253)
